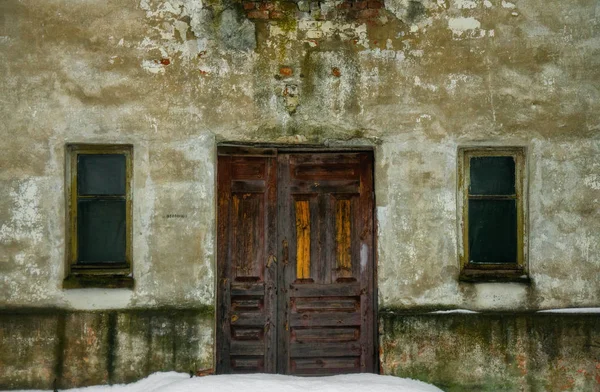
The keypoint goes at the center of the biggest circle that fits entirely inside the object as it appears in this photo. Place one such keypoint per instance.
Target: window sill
(502, 276)
(81, 281)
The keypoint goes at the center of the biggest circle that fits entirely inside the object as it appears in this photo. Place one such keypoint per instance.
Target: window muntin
(100, 207)
(491, 183)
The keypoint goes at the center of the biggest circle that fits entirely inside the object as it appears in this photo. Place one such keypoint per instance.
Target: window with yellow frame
(492, 205)
(99, 210)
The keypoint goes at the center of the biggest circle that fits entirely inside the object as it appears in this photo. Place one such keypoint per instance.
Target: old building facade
(432, 166)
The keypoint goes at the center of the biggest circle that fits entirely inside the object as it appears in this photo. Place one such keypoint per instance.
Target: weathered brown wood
(325, 304)
(325, 349)
(271, 272)
(335, 171)
(330, 319)
(295, 254)
(286, 238)
(247, 319)
(325, 366)
(223, 293)
(340, 292)
(368, 311)
(247, 288)
(242, 347)
(241, 304)
(245, 151)
(326, 290)
(248, 186)
(247, 168)
(246, 237)
(246, 364)
(246, 333)
(308, 187)
(312, 335)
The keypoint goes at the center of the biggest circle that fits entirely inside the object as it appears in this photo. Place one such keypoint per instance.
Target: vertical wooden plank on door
(271, 268)
(285, 271)
(223, 283)
(366, 261)
(247, 264)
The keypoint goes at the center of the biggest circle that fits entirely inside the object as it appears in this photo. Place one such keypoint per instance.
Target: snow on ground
(454, 311)
(181, 382)
(571, 310)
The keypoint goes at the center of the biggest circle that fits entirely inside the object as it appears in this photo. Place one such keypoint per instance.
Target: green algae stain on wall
(105, 347)
(487, 352)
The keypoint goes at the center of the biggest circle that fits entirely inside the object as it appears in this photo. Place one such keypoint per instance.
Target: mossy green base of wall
(457, 352)
(80, 348)
(493, 352)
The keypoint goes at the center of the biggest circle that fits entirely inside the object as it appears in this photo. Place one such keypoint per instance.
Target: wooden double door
(295, 262)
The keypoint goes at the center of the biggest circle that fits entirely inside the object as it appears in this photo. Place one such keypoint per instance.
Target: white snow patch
(508, 5)
(487, 4)
(571, 310)
(181, 382)
(454, 311)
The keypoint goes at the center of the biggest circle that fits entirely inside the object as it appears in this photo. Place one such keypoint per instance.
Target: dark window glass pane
(99, 174)
(492, 231)
(101, 231)
(492, 176)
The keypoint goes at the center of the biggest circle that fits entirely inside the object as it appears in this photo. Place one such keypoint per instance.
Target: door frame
(250, 149)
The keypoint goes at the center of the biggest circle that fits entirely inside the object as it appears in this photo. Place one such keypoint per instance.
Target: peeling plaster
(25, 222)
(463, 24)
(175, 77)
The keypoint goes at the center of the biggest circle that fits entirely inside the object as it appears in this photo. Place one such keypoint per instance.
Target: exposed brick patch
(368, 14)
(335, 71)
(286, 71)
(249, 5)
(257, 14)
(360, 5)
(165, 61)
(267, 6)
(277, 15)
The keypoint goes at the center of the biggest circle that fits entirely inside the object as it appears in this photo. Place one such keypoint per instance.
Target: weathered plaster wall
(415, 79)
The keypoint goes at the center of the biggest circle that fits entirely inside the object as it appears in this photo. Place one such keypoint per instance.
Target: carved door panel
(247, 275)
(326, 277)
(295, 261)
